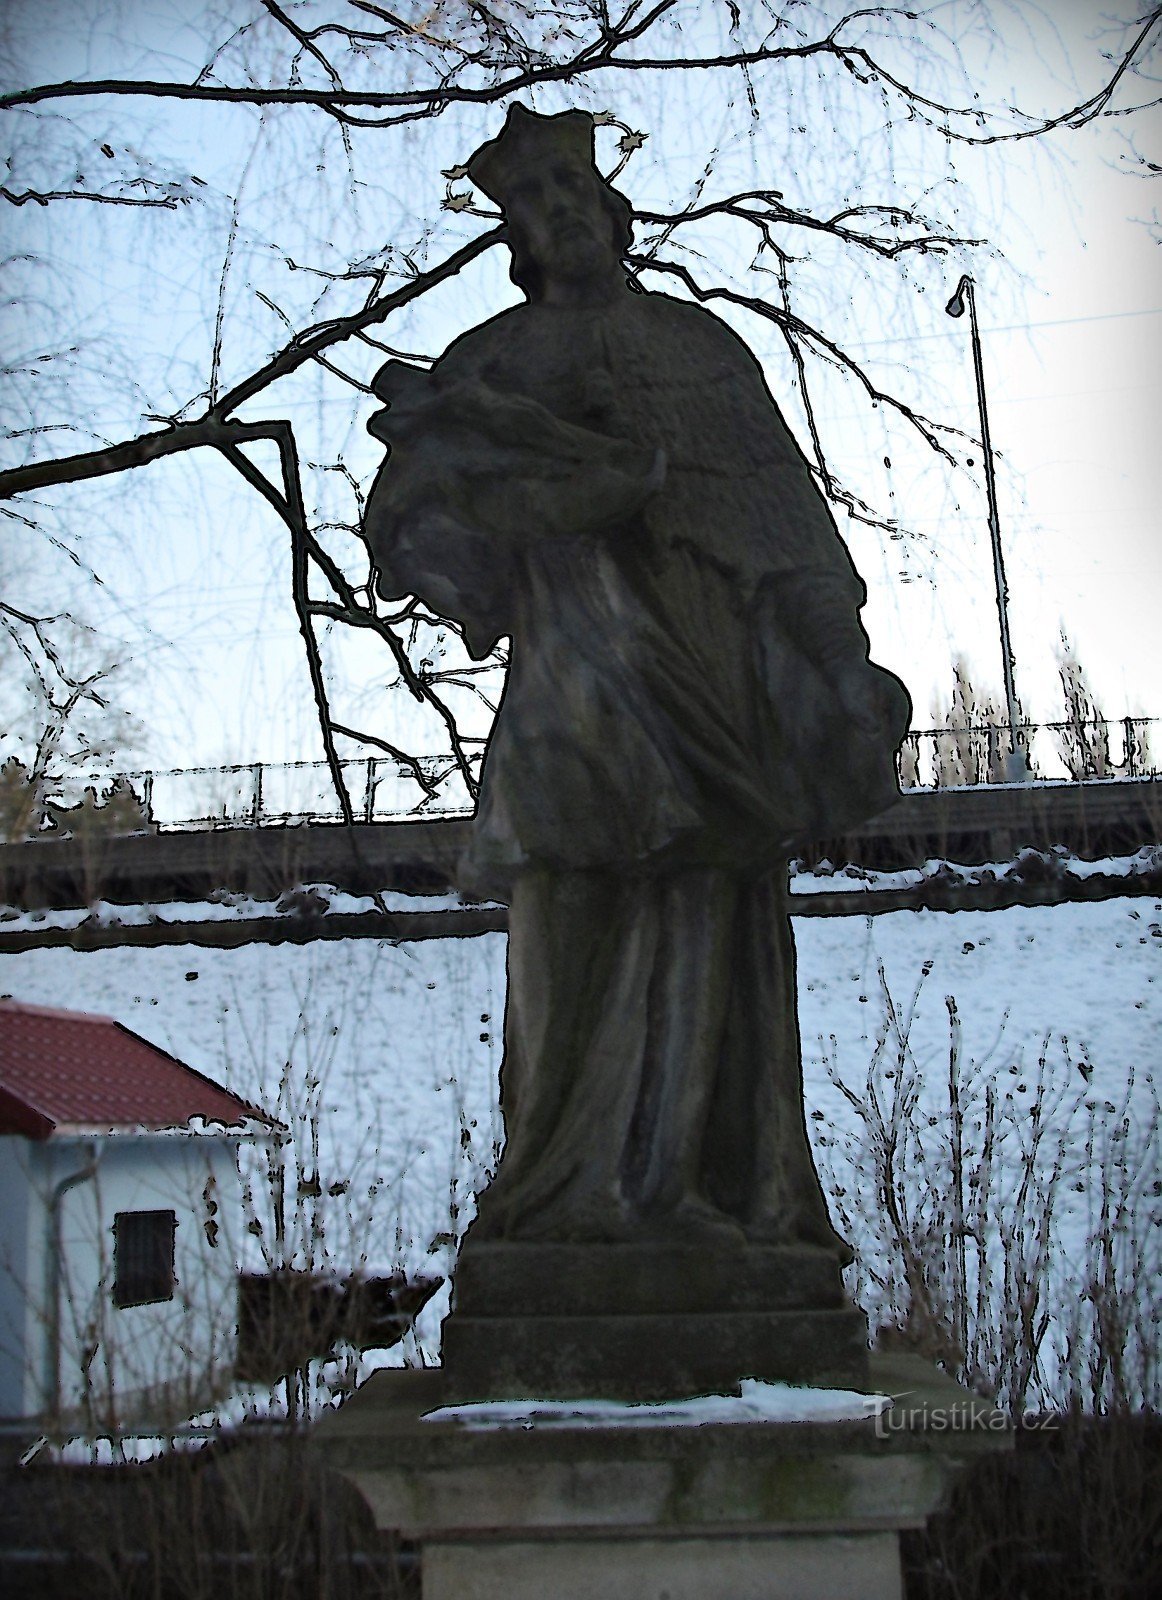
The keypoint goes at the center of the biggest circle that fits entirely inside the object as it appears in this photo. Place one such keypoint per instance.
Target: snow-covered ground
(325, 900)
(393, 1052)
(405, 1041)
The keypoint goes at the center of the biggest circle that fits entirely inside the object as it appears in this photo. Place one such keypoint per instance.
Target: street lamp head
(955, 307)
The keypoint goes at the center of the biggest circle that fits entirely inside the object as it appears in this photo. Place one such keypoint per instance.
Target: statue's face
(556, 209)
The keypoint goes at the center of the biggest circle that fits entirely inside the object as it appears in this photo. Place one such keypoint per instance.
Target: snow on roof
(62, 1071)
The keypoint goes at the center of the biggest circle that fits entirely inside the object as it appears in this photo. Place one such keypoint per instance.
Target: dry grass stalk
(967, 1235)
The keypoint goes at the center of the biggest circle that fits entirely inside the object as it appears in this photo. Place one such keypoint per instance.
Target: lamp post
(1016, 767)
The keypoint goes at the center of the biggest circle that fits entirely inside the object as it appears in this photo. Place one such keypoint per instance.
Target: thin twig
(213, 428)
(598, 56)
(43, 197)
(790, 323)
(410, 762)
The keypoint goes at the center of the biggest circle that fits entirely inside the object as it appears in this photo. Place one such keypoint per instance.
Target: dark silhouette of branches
(408, 762)
(598, 55)
(763, 209)
(215, 427)
(44, 197)
(478, 54)
(497, 46)
(64, 694)
(306, 550)
(219, 431)
(794, 327)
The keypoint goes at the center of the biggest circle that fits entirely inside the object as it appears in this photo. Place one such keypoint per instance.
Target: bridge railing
(1099, 747)
(276, 794)
(271, 794)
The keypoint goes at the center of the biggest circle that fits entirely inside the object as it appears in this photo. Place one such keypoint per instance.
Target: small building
(120, 1215)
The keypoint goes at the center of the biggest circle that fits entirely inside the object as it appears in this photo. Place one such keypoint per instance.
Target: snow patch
(756, 1402)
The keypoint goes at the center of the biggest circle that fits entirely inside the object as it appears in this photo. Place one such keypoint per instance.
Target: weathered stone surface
(655, 1357)
(604, 1508)
(603, 475)
(777, 1568)
(645, 1322)
(806, 1475)
(501, 1278)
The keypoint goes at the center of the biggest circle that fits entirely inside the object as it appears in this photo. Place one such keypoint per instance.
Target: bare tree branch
(60, 693)
(44, 197)
(305, 39)
(289, 505)
(1076, 117)
(428, 785)
(600, 56)
(363, 617)
(305, 547)
(769, 211)
(789, 323)
(214, 429)
(209, 430)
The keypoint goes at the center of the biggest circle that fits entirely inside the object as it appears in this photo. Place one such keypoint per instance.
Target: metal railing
(975, 753)
(285, 793)
(279, 794)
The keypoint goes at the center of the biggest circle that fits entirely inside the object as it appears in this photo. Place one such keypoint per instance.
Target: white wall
(116, 1364)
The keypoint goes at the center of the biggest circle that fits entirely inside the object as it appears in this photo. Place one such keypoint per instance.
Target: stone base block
(646, 1321)
(501, 1279)
(792, 1567)
(720, 1511)
(649, 1357)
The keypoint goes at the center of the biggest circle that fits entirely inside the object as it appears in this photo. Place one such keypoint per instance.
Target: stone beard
(603, 475)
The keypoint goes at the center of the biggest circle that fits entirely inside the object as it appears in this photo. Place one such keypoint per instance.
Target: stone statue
(603, 475)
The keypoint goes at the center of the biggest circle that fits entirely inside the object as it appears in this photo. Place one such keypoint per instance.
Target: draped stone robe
(614, 488)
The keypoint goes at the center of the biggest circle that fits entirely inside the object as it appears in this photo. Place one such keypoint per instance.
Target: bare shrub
(1071, 1512)
(1010, 1233)
(908, 763)
(101, 812)
(247, 1517)
(18, 801)
(1137, 757)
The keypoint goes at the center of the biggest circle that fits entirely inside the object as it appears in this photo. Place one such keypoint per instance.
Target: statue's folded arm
(475, 475)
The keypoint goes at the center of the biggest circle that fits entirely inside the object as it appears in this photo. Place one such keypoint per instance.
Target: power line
(1010, 327)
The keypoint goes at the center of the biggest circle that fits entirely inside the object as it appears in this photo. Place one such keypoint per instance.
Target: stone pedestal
(720, 1511)
(646, 1322)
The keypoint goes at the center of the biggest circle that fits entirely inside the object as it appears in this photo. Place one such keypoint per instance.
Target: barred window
(143, 1257)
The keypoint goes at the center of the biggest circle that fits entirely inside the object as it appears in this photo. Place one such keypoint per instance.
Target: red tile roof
(61, 1070)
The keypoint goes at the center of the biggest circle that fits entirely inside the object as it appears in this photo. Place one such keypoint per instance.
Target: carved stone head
(565, 222)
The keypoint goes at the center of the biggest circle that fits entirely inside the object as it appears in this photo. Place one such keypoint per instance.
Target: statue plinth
(716, 1511)
(646, 1321)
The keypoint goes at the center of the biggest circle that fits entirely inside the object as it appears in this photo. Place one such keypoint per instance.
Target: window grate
(143, 1257)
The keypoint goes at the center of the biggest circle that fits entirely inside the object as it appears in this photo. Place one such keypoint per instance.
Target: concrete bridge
(413, 865)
